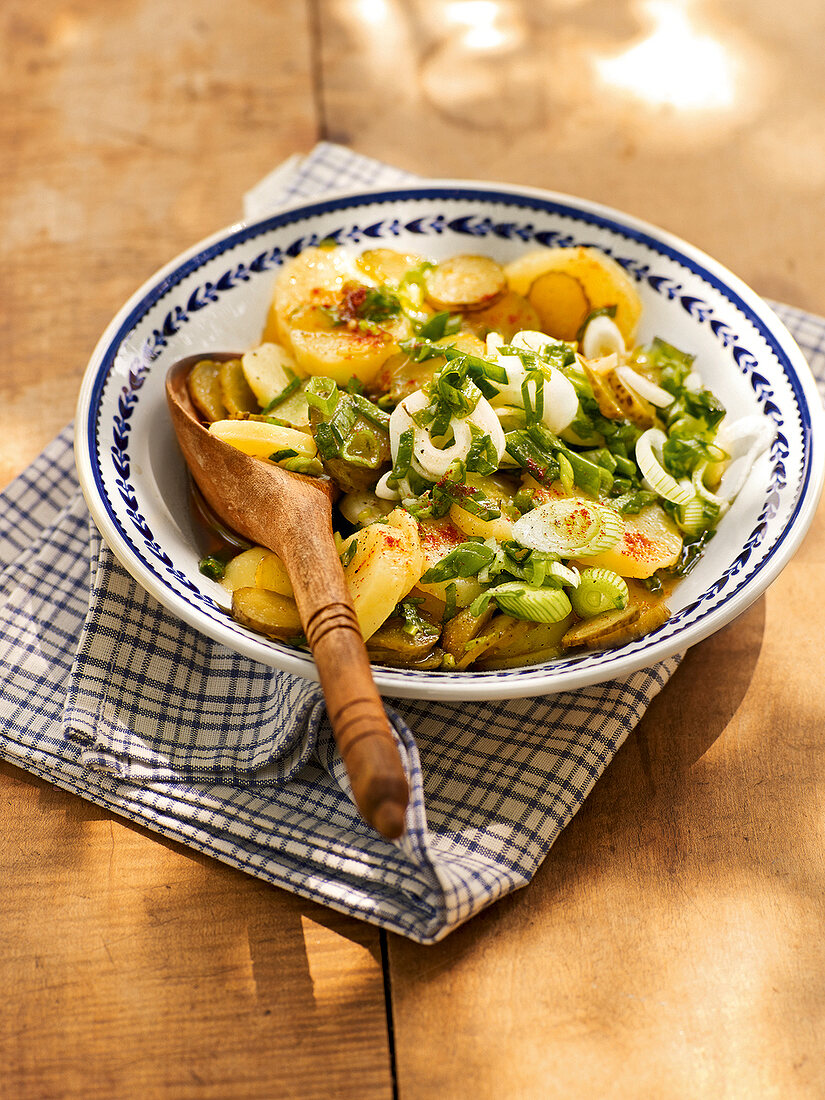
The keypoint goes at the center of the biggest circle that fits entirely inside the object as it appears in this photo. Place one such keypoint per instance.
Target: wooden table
(671, 944)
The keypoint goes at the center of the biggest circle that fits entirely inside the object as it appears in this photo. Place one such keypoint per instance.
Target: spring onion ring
(644, 387)
(570, 527)
(602, 337)
(599, 590)
(653, 471)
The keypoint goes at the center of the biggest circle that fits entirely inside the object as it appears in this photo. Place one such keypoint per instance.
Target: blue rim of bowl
(559, 675)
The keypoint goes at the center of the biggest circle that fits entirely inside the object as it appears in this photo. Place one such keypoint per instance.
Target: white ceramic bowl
(214, 297)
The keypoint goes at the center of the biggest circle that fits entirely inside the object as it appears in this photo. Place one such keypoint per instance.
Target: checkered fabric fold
(108, 695)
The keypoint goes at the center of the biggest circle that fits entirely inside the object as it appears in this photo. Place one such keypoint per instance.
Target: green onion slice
(464, 561)
(322, 394)
(564, 574)
(692, 515)
(536, 605)
(570, 527)
(599, 590)
(403, 458)
(701, 490)
(292, 385)
(654, 472)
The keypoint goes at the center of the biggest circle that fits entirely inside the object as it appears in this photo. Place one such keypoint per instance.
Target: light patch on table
(342, 972)
(43, 211)
(676, 64)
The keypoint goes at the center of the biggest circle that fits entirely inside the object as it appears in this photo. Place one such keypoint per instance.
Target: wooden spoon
(292, 515)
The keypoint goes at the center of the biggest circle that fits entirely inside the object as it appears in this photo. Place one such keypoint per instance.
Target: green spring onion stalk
(482, 457)
(654, 472)
(403, 458)
(362, 448)
(599, 590)
(602, 311)
(292, 385)
(370, 411)
(349, 552)
(542, 465)
(533, 408)
(322, 394)
(536, 605)
(212, 567)
(439, 325)
(464, 561)
(524, 500)
(453, 489)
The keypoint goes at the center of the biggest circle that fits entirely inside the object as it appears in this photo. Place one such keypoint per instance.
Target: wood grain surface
(671, 944)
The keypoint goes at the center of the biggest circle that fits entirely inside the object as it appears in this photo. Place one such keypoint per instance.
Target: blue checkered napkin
(107, 695)
(150, 700)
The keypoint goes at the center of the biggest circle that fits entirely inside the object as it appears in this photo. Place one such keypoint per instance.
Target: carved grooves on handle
(373, 723)
(332, 616)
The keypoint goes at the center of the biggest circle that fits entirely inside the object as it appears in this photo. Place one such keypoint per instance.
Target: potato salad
(517, 477)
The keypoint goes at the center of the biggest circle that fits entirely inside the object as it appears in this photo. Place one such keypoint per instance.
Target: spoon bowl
(291, 514)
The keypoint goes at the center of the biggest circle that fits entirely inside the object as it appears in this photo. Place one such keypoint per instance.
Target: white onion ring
(560, 400)
(644, 387)
(601, 337)
(433, 462)
(744, 440)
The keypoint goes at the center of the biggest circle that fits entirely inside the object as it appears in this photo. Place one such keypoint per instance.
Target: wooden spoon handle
(358, 718)
(356, 713)
(292, 515)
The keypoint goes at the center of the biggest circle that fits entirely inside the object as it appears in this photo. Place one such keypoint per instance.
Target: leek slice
(570, 527)
(701, 490)
(644, 387)
(654, 472)
(692, 517)
(536, 605)
(564, 574)
(599, 590)
(602, 336)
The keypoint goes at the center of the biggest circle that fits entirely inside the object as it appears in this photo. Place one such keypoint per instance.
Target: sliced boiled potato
(401, 519)
(594, 632)
(386, 265)
(597, 372)
(261, 439)
(386, 563)
(266, 369)
(603, 281)
(204, 385)
(633, 406)
(509, 314)
(465, 282)
(496, 488)
(242, 569)
(500, 528)
(560, 302)
(237, 397)
(267, 612)
(271, 574)
(438, 537)
(311, 281)
(651, 541)
(529, 643)
(341, 354)
(644, 613)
